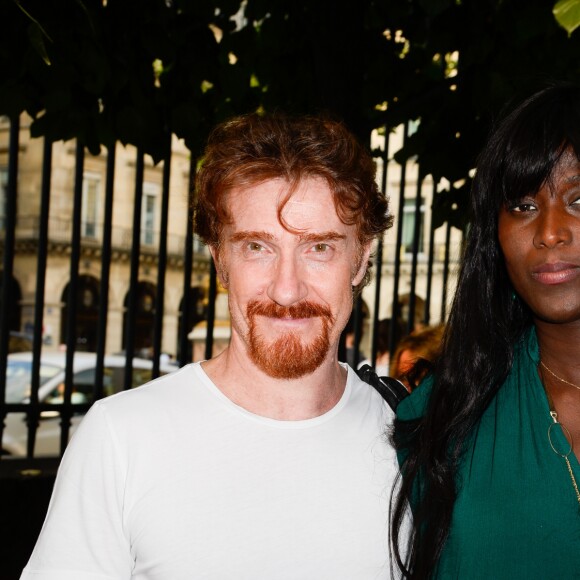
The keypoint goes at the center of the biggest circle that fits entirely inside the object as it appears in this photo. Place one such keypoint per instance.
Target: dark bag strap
(391, 390)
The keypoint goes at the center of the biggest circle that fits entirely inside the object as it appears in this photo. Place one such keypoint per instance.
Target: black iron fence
(423, 255)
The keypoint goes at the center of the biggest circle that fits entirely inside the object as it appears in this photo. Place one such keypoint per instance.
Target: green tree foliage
(567, 14)
(132, 70)
(138, 70)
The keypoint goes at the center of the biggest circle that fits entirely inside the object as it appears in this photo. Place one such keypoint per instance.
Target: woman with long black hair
(490, 442)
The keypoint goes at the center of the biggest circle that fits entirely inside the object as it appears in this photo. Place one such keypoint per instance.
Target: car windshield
(18, 379)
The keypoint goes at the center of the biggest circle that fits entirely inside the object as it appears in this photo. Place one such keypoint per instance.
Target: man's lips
(556, 272)
(289, 323)
(288, 319)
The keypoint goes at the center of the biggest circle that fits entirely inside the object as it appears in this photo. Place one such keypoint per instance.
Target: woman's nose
(553, 229)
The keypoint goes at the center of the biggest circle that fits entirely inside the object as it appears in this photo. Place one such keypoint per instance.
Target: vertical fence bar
(184, 346)
(33, 415)
(211, 310)
(105, 271)
(8, 259)
(162, 263)
(72, 297)
(397, 272)
(379, 271)
(379, 257)
(445, 273)
(342, 346)
(416, 238)
(357, 321)
(134, 274)
(427, 319)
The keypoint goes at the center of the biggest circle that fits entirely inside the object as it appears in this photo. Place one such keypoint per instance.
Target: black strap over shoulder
(392, 390)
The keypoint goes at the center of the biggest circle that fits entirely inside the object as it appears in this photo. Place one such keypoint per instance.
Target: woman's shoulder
(526, 354)
(415, 405)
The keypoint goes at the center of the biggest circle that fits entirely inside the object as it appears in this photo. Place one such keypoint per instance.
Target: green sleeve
(415, 405)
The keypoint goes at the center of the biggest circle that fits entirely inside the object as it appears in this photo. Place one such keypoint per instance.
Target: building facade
(60, 231)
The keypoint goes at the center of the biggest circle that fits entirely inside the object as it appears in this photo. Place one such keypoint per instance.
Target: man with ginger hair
(269, 461)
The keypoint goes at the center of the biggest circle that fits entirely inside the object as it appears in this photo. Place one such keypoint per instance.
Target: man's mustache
(301, 310)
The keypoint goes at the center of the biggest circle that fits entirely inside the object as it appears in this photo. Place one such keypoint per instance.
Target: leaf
(37, 34)
(28, 15)
(567, 14)
(87, 14)
(36, 37)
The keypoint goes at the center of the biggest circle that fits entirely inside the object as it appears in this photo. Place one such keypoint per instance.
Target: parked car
(19, 341)
(51, 390)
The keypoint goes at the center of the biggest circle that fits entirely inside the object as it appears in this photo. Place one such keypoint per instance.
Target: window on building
(409, 224)
(87, 312)
(148, 211)
(91, 198)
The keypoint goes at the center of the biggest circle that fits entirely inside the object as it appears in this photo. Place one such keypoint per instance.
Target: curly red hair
(254, 148)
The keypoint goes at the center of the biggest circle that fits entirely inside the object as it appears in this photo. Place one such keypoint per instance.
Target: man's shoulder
(369, 397)
(157, 410)
(173, 388)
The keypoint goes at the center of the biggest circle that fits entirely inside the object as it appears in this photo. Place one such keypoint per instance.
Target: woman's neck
(559, 371)
(560, 348)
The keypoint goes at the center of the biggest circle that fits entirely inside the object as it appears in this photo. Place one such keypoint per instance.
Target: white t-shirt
(173, 481)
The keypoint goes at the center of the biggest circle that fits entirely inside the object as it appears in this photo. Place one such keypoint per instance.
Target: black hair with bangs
(528, 143)
(486, 322)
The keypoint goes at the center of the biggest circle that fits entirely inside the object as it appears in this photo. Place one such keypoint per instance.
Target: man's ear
(363, 266)
(222, 275)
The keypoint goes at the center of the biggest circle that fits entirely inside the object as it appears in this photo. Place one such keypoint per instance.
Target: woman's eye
(523, 207)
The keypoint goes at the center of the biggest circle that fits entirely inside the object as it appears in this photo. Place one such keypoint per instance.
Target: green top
(516, 515)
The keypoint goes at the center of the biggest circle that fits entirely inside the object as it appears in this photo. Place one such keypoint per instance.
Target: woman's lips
(556, 273)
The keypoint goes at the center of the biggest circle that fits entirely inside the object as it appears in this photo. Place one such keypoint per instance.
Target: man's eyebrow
(308, 237)
(248, 235)
(321, 237)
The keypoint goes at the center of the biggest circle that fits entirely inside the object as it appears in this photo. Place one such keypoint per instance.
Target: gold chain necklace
(564, 456)
(557, 377)
(565, 431)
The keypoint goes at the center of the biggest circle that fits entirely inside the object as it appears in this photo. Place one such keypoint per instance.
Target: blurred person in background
(415, 353)
(383, 337)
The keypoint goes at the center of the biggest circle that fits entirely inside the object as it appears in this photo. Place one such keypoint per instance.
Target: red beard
(286, 357)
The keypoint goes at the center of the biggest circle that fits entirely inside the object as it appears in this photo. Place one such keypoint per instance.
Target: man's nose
(553, 229)
(287, 285)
